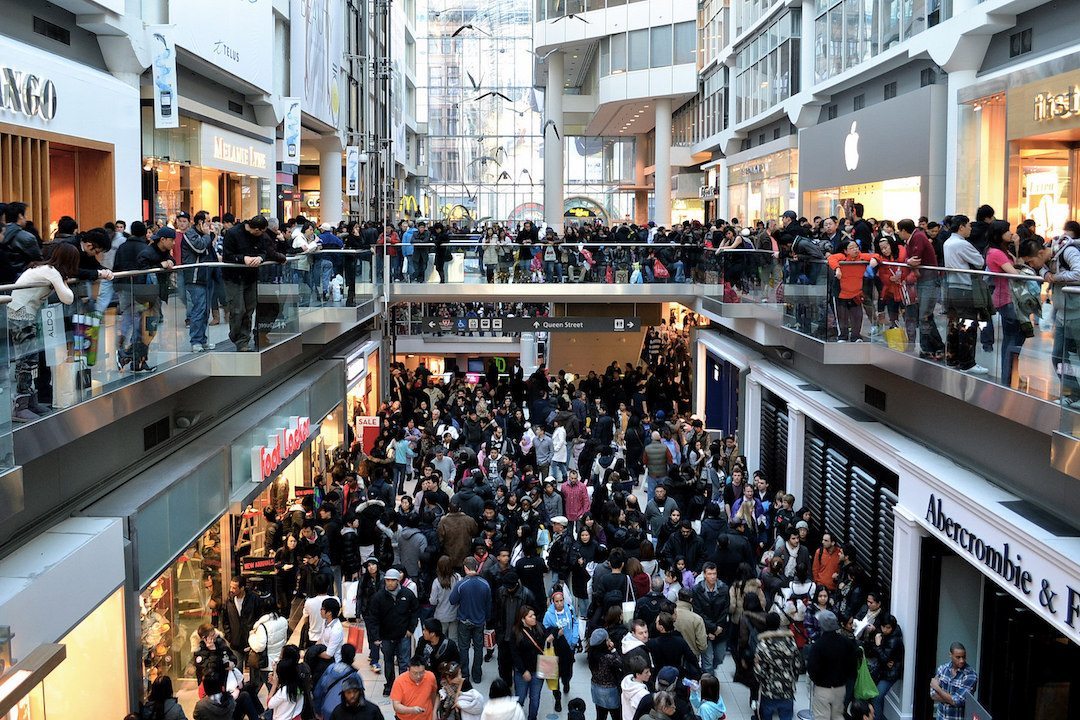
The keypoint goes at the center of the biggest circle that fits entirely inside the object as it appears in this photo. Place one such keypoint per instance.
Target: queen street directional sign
(537, 324)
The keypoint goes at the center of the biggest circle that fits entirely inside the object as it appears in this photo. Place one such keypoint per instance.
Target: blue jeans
(771, 706)
(553, 271)
(883, 687)
(129, 314)
(395, 268)
(714, 653)
(1012, 341)
(197, 312)
(105, 296)
(396, 657)
(471, 637)
(1064, 344)
(558, 471)
(650, 485)
(530, 690)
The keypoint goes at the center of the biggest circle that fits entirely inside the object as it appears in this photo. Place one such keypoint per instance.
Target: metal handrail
(987, 273)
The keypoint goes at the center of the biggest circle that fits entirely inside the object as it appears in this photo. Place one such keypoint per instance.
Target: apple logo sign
(851, 148)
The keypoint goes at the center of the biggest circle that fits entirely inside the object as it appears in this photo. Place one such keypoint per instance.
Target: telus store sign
(266, 460)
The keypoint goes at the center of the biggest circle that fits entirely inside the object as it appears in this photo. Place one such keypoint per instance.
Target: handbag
(489, 639)
(349, 590)
(865, 687)
(628, 606)
(980, 294)
(547, 665)
(897, 339)
(356, 637)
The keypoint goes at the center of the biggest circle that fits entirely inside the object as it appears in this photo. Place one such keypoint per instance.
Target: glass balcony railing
(143, 322)
(1065, 356)
(466, 260)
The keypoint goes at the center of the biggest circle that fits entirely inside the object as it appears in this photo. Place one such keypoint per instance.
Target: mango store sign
(266, 460)
(1036, 578)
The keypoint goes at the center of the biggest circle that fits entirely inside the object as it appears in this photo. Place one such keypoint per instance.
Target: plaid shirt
(957, 684)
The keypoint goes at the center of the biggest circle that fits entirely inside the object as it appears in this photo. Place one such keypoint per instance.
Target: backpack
(812, 248)
(1026, 294)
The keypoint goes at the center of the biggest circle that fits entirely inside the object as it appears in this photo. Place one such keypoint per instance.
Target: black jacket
(435, 655)
(649, 607)
(392, 618)
(691, 548)
(364, 711)
(204, 656)
(672, 649)
(127, 255)
(712, 607)
(237, 625)
(832, 660)
(18, 248)
(237, 244)
(350, 552)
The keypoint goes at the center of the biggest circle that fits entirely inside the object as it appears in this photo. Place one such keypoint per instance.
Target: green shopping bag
(865, 687)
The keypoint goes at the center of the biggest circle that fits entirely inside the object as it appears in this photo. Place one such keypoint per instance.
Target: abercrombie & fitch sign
(1013, 565)
(27, 94)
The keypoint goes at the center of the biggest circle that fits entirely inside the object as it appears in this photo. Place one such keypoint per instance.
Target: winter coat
(890, 650)
(392, 617)
(552, 504)
(777, 664)
(327, 692)
(656, 515)
(270, 633)
(351, 562)
(456, 533)
(691, 548)
(506, 708)
(713, 607)
(411, 545)
(366, 710)
(672, 649)
(171, 711)
(832, 660)
(215, 707)
(691, 626)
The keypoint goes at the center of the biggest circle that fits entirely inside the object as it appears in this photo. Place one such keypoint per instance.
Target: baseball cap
(667, 676)
(183, 214)
(790, 214)
(392, 574)
(165, 232)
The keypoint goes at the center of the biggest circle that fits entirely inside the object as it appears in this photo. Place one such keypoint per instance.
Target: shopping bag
(660, 272)
(865, 687)
(489, 639)
(349, 589)
(897, 339)
(547, 665)
(356, 637)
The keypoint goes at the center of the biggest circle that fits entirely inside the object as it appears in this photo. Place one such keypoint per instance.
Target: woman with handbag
(561, 622)
(1008, 296)
(529, 643)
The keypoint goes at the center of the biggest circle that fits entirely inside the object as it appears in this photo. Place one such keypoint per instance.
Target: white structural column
(796, 448)
(330, 179)
(722, 194)
(662, 161)
(553, 146)
(751, 424)
(906, 571)
(956, 80)
(527, 352)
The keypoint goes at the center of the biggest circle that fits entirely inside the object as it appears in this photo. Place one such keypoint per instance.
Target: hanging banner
(292, 131)
(166, 103)
(352, 171)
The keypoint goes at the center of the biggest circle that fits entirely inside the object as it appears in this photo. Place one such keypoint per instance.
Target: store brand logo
(220, 48)
(249, 156)
(27, 94)
(267, 459)
(851, 148)
(1053, 106)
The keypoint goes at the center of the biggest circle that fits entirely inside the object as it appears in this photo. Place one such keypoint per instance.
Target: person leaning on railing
(1063, 271)
(247, 247)
(37, 282)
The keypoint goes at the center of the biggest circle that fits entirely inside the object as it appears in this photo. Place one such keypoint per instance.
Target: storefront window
(894, 199)
(980, 178)
(763, 188)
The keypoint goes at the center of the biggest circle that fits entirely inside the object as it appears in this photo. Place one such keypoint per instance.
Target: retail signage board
(537, 324)
(233, 35)
(163, 64)
(257, 565)
(268, 459)
(1044, 106)
(1039, 578)
(226, 150)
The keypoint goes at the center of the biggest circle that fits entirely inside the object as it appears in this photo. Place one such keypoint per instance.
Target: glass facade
(767, 67)
(714, 25)
(714, 107)
(764, 187)
(551, 9)
(596, 167)
(848, 32)
(653, 47)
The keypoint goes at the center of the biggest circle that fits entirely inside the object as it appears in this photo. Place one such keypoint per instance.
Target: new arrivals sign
(1038, 577)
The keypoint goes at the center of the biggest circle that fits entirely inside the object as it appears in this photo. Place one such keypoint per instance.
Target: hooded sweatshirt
(503, 709)
(633, 690)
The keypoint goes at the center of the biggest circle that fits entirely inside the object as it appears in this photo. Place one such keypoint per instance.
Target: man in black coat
(649, 607)
(241, 611)
(831, 663)
(732, 550)
(670, 648)
(391, 618)
(247, 244)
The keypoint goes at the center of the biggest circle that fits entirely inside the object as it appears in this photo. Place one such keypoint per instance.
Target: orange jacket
(890, 287)
(825, 566)
(851, 275)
